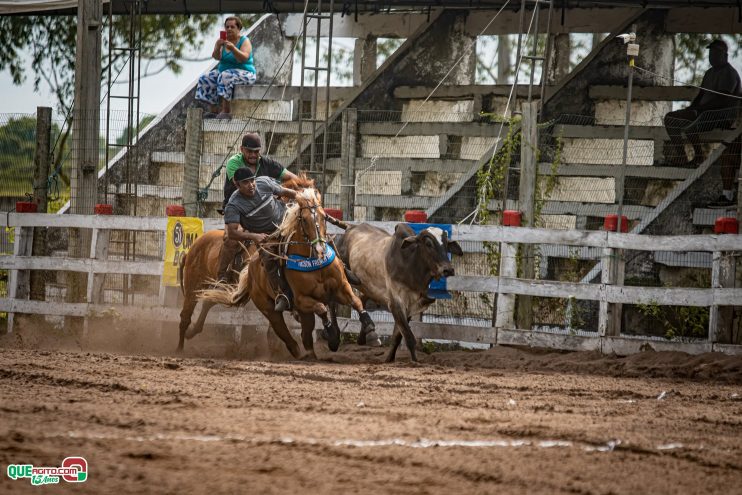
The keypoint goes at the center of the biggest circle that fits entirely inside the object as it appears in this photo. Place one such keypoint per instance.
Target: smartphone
(223, 35)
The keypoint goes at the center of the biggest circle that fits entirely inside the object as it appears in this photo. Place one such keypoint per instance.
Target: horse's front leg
(331, 329)
(368, 328)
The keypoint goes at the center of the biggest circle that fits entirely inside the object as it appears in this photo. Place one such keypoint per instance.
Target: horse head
(305, 224)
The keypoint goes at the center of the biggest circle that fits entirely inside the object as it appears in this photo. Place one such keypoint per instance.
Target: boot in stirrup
(282, 303)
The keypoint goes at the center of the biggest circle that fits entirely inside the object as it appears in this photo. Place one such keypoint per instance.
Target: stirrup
(282, 303)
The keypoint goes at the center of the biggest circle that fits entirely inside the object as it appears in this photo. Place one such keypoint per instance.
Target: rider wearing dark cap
(252, 213)
(250, 159)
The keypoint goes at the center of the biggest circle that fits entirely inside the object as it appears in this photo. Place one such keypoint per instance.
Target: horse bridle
(318, 239)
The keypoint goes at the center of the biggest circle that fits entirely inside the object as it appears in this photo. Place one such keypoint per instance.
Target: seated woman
(235, 67)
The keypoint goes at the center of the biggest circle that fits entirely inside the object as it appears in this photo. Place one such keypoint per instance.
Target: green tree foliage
(17, 147)
(50, 43)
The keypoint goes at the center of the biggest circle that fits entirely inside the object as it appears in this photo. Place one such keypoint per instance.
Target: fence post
(348, 158)
(506, 302)
(721, 318)
(526, 200)
(194, 130)
(613, 269)
(40, 180)
(18, 280)
(98, 251)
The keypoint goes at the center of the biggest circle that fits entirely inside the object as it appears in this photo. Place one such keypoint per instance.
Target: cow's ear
(409, 241)
(454, 248)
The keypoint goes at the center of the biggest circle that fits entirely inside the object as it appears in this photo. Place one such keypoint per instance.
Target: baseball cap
(243, 173)
(251, 141)
(719, 45)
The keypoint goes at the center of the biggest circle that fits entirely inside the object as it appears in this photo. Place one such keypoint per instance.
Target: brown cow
(395, 271)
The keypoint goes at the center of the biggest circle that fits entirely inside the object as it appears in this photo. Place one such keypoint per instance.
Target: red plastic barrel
(726, 225)
(175, 211)
(511, 218)
(334, 213)
(103, 209)
(26, 207)
(610, 222)
(415, 216)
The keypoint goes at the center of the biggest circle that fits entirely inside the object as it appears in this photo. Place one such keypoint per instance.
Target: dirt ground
(229, 418)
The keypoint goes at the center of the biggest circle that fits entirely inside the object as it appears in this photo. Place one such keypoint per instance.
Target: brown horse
(303, 233)
(197, 271)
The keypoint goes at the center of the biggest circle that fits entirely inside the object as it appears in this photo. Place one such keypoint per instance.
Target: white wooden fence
(609, 293)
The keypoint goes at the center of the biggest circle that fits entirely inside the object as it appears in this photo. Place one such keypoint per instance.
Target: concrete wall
(425, 61)
(609, 67)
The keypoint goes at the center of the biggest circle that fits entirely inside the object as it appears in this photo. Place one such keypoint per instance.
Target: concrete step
(708, 216)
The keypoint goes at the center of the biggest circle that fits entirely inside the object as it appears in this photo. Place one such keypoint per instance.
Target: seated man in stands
(714, 108)
(254, 212)
(248, 158)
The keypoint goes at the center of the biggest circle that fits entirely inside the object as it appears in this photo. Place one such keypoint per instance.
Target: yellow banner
(182, 232)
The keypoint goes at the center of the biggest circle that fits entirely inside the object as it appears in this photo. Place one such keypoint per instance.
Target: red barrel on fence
(726, 225)
(334, 213)
(26, 207)
(511, 218)
(415, 216)
(610, 223)
(175, 210)
(103, 209)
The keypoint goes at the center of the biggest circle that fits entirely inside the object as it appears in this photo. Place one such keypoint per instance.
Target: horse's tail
(227, 295)
(242, 295)
(181, 264)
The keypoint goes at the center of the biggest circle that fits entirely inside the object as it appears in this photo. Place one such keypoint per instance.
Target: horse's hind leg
(199, 325)
(307, 329)
(279, 326)
(185, 319)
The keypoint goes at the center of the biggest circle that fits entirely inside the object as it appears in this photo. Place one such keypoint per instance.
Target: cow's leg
(402, 324)
(395, 340)
(198, 327)
(185, 318)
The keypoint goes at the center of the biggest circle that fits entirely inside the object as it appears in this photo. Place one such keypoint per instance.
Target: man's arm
(234, 233)
(287, 175)
(286, 193)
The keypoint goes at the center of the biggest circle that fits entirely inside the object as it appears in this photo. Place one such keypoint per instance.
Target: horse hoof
(309, 356)
(373, 340)
(190, 333)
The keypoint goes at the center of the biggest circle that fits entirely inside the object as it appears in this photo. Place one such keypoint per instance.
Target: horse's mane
(292, 217)
(301, 182)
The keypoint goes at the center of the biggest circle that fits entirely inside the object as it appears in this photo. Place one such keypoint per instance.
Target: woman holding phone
(234, 53)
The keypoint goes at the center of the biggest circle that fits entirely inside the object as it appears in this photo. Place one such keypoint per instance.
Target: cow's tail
(181, 264)
(229, 295)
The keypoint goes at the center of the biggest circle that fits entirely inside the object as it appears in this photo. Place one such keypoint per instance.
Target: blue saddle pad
(302, 264)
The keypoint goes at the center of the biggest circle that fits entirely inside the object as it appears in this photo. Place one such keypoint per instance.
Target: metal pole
(520, 39)
(533, 56)
(547, 58)
(622, 173)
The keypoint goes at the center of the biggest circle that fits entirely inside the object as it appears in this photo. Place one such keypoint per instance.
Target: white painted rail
(607, 293)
